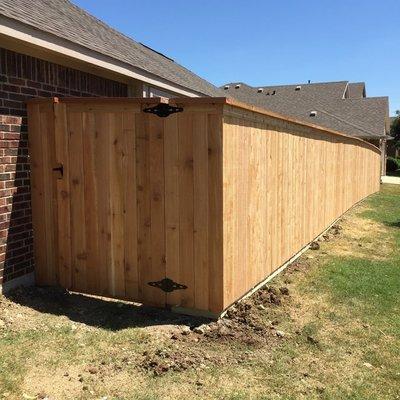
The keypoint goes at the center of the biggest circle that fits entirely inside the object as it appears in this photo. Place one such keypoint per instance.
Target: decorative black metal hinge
(167, 285)
(163, 110)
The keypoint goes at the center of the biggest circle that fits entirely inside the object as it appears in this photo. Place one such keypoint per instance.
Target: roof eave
(35, 37)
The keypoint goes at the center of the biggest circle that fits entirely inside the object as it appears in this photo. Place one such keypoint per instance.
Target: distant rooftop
(342, 106)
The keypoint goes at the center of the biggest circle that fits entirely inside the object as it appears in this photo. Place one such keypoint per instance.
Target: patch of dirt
(60, 384)
(162, 361)
(246, 323)
(183, 342)
(357, 238)
(77, 380)
(16, 318)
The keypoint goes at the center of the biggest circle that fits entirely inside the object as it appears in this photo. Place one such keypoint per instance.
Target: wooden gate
(127, 204)
(109, 204)
(106, 152)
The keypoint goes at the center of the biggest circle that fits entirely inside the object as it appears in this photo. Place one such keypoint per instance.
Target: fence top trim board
(187, 101)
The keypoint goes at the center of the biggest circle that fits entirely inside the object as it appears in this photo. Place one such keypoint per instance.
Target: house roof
(336, 105)
(67, 21)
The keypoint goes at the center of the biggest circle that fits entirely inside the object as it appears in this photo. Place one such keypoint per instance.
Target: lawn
(327, 328)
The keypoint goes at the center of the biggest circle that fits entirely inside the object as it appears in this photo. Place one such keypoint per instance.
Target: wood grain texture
(77, 184)
(63, 225)
(297, 179)
(39, 201)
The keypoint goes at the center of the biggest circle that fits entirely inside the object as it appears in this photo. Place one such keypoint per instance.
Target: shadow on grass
(97, 312)
(392, 224)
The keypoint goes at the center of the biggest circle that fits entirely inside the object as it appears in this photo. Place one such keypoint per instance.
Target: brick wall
(15, 210)
(23, 77)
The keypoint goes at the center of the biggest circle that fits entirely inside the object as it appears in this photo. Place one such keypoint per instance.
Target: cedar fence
(191, 210)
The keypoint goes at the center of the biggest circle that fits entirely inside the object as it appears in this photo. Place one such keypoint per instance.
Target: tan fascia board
(345, 90)
(35, 37)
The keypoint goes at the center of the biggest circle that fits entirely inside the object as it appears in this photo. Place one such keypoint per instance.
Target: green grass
(341, 324)
(363, 296)
(371, 288)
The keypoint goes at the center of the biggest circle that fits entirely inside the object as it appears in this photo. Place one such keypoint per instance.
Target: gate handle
(60, 169)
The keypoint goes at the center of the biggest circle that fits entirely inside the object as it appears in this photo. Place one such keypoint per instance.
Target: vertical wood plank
(238, 220)
(130, 206)
(37, 193)
(63, 196)
(78, 238)
(200, 209)
(102, 177)
(147, 273)
(172, 207)
(90, 204)
(229, 239)
(49, 191)
(117, 196)
(186, 225)
(215, 209)
(156, 164)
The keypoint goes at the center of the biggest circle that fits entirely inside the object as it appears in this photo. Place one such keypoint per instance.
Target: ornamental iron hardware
(163, 110)
(167, 285)
(60, 169)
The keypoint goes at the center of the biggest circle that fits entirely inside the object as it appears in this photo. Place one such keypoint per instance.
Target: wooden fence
(191, 210)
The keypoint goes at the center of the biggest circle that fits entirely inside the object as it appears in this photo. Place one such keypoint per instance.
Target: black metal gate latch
(167, 285)
(163, 110)
(59, 169)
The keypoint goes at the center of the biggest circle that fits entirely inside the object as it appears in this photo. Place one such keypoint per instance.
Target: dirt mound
(186, 343)
(162, 361)
(248, 321)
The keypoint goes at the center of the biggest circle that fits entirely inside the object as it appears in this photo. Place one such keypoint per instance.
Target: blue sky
(269, 42)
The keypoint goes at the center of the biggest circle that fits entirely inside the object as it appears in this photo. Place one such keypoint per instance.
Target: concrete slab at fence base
(395, 180)
(25, 280)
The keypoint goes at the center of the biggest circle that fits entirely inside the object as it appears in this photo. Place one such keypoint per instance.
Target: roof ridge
(306, 84)
(285, 85)
(367, 98)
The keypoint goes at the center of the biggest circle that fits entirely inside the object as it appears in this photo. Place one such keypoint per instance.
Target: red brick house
(54, 48)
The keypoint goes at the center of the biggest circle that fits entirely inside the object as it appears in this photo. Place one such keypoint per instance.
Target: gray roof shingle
(65, 20)
(356, 90)
(355, 116)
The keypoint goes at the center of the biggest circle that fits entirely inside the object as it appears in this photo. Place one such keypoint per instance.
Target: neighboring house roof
(67, 21)
(341, 106)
